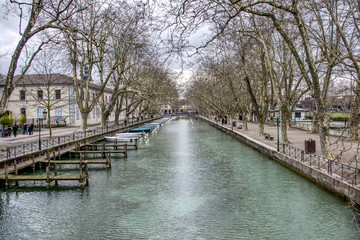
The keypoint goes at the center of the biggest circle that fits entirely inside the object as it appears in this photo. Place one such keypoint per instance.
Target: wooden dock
(83, 153)
(126, 146)
(81, 177)
(51, 159)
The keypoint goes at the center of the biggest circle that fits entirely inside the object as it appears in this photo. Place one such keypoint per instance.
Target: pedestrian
(31, 128)
(9, 131)
(15, 129)
(25, 129)
(125, 122)
(3, 132)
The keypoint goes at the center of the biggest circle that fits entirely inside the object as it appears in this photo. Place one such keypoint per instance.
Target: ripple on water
(188, 181)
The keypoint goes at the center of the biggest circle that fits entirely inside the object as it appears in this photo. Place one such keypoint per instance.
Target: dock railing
(334, 168)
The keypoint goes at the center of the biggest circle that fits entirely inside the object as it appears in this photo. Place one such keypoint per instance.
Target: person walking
(31, 128)
(25, 129)
(15, 129)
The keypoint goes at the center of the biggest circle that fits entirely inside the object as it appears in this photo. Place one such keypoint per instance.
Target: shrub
(339, 117)
(22, 120)
(7, 120)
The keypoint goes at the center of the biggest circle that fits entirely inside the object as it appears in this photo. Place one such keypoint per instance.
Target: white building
(34, 92)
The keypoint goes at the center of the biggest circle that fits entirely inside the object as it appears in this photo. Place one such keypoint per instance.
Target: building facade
(55, 92)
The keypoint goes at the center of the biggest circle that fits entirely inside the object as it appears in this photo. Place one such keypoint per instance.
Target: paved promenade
(297, 137)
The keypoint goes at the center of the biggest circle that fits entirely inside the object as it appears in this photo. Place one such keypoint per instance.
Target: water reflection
(189, 181)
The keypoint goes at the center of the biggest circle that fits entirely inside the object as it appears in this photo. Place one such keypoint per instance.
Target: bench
(268, 136)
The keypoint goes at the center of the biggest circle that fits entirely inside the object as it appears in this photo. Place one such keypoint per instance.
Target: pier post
(87, 174)
(16, 171)
(56, 173)
(47, 177)
(15, 167)
(81, 176)
(33, 163)
(6, 177)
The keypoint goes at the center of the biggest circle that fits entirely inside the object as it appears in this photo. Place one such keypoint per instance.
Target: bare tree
(41, 16)
(51, 86)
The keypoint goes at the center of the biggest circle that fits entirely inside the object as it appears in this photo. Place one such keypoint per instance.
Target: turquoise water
(189, 181)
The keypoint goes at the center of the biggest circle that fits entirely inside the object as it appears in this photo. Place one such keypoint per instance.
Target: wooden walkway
(83, 153)
(81, 177)
(126, 146)
(52, 159)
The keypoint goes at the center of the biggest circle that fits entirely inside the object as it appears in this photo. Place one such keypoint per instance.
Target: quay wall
(341, 188)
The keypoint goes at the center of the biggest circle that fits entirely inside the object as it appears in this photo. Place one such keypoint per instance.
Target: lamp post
(41, 119)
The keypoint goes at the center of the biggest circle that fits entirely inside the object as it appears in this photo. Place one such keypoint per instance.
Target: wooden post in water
(87, 174)
(16, 172)
(6, 177)
(15, 167)
(103, 150)
(48, 158)
(56, 173)
(81, 175)
(33, 163)
(47, 177)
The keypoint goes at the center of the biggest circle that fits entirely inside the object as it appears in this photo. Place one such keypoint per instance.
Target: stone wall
(331, 183)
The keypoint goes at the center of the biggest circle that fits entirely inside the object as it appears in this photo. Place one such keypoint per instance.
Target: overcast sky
(8, 38)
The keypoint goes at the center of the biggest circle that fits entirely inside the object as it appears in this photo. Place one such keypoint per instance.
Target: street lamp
(41, 119)
(272, 115)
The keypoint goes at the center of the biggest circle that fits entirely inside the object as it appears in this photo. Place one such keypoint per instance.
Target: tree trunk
(104, 117)
(84, 121)
(355, 116)
(325, 140)
(49, 123)
(261, 122)
(284, 126)
(315, 124)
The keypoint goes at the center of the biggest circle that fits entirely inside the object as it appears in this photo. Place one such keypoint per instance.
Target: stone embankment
(336, 177)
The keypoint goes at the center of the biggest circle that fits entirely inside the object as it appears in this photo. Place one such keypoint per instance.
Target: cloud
(9, 38)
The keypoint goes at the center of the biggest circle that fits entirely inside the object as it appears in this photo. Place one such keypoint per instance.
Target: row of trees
(103, 42)
(262, 54)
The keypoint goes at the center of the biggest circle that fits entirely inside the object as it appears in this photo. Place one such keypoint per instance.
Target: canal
(188, 181)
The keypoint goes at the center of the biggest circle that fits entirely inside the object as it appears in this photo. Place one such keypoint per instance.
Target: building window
(77, 113)
(105, 99)
(97, 112)
(93, 113)
(57, 94)
(22, 94)
(23, 111)
(40, 94)
(93, 96)
(58, 112)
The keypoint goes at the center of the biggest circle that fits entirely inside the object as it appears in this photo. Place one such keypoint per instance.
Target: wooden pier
(51, 159)
(83, 153)
(81, 177)
(126, 146)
